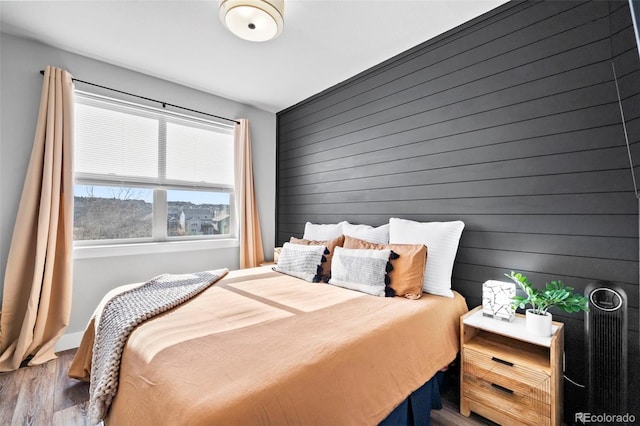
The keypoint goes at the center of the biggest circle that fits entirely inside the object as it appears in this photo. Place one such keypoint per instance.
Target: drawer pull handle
(502, 388)
(502, 361)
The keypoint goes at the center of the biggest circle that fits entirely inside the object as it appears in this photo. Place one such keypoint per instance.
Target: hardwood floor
(44, 395)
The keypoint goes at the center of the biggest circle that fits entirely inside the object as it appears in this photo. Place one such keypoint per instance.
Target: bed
(352, 326)
(261, 347)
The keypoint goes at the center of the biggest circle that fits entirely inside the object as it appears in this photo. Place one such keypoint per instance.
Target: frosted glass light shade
(253, 20)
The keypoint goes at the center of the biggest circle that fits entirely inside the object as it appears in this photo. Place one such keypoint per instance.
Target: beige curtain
(251, 253)
(37, 285)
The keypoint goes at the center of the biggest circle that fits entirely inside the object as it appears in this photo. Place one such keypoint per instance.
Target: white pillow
(362, 270)
(321, 232)
(441, 239)
(300, 261)
(379, 235)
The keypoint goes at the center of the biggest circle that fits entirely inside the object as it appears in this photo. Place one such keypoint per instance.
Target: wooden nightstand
(508, 376)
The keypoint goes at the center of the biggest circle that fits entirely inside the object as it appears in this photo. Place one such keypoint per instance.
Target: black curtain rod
(164, 104)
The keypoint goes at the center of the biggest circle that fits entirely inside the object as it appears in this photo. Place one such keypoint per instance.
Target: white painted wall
(20, 86)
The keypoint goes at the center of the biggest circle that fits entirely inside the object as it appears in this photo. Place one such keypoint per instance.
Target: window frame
(160, 207)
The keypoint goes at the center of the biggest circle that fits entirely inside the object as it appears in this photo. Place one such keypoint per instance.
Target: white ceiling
(324, 41)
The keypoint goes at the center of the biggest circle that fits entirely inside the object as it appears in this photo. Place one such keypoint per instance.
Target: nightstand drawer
(521, 407)
(522, 380)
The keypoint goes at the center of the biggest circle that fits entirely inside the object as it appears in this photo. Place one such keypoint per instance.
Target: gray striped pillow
(360, 269)
(300, 261)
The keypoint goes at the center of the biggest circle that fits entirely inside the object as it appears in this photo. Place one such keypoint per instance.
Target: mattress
(263, 348)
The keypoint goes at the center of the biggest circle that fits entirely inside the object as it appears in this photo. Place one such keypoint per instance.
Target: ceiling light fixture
(253, 20)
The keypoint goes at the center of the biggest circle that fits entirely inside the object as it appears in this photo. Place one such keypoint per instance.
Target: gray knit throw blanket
(121, 315)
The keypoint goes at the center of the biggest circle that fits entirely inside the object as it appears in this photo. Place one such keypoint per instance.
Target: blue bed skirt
(416, 409)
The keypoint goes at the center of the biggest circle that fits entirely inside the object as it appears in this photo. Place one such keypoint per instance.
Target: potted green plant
(538, 320)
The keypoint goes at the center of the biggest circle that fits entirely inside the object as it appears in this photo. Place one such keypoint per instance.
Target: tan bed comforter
(261, 348)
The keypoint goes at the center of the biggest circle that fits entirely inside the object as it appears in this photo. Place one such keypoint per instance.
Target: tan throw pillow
(408, 269)
(330, 245)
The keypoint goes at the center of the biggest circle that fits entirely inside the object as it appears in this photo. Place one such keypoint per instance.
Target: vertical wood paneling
(510, 122)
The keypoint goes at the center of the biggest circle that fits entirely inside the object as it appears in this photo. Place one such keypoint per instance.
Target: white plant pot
(538, 325)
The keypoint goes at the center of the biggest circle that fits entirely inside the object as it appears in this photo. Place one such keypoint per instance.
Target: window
(143, 174)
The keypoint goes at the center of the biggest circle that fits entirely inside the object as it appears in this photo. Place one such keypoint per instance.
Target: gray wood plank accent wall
(511, 123)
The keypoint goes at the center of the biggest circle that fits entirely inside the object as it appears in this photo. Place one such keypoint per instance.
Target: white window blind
(118, 143)
(198, 155)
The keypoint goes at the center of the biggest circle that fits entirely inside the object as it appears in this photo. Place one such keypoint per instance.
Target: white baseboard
(69, 341)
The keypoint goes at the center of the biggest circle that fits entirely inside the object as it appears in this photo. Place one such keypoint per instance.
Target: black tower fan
(606, 337)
